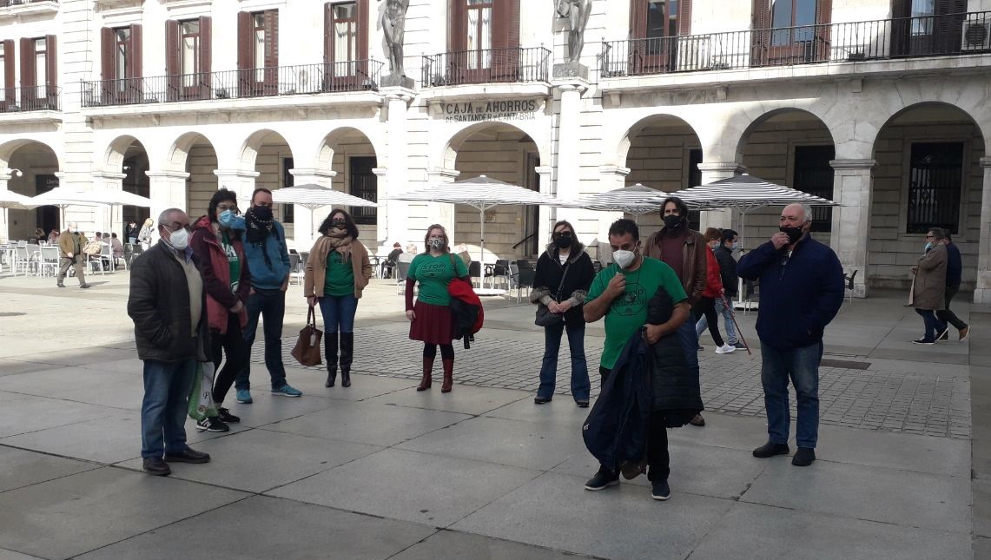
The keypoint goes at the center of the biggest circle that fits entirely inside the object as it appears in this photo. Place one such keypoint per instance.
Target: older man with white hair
(801, 290)
(71, 242)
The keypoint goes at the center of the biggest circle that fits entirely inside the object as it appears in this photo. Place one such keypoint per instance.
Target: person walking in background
(683, 249)
(727, 269)
(954, 267)
(71, 242)
(929, 287)
(564, 273)
(166, 296)
(144, 237)
(216, 242)
(801, 289)
(430, 317)
(713, 291)
(337, 271)
(268, 259)
(131, 232)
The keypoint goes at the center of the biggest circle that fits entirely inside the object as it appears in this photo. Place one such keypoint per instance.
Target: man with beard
(268, 259)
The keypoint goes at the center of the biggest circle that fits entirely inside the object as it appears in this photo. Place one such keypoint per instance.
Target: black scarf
(257, 231)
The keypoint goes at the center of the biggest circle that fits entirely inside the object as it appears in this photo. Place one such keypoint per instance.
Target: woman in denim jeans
(564, 274)
(337, 270)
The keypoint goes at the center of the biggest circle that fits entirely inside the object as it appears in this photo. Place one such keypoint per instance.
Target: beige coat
(929, 287)
(315, 275)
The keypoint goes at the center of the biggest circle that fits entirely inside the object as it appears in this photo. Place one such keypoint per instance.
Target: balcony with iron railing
(14, 8)
(29, 99)
(878, 40)
(484, 66)
(307, 79)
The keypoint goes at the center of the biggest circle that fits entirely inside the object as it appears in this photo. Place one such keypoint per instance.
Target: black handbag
(544, 316)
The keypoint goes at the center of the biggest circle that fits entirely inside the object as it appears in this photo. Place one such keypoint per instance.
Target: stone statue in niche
(392, 21)
(576, 12)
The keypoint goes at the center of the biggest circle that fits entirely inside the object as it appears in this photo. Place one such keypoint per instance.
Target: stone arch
(777, 113)
(7, 150)
(254, 142)
(632, 131)
(941, 106)
(448, 154)
(325, 151)
(178, 154)
(113, 156)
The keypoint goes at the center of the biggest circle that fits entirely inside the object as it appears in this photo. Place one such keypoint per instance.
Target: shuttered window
(654, 19)
(935, 182)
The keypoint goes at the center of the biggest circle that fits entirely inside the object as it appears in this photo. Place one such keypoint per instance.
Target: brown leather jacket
(693, 261)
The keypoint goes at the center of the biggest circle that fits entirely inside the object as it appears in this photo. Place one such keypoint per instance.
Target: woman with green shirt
(337, 270)
(431, 316)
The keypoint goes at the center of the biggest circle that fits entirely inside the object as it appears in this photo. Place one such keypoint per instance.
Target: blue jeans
(164, 408)
(271, 306)
(727, 313)
(933, 325)
(801, 365)
(580, 385)
(338, 313)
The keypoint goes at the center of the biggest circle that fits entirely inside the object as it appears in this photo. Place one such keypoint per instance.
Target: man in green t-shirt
(620, 293)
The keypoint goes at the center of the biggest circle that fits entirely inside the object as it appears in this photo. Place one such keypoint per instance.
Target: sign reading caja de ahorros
(502, 110)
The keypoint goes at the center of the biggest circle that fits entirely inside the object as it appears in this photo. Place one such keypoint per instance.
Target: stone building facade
(880, 105)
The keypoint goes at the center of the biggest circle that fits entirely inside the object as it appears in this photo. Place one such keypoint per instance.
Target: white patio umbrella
(312, 196)
(63, 197)
(636, 200)
(10, 199)
(482, 193)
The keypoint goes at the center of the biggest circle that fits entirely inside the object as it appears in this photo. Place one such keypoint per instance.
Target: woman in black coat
(564, 274)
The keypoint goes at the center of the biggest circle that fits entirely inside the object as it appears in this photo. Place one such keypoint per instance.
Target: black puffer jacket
(576, 283)
(727, 268)
(675, 382)
(158, 303)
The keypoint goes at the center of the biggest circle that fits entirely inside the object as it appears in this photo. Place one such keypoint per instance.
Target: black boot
(330, 356)
(347, 356)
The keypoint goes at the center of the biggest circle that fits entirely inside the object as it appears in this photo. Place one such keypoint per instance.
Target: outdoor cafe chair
(49, 260)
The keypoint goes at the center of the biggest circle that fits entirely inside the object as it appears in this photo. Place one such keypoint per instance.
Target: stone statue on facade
(576, 12)
(392, 21)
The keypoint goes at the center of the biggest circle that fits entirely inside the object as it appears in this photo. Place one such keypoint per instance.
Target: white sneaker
(725, 349)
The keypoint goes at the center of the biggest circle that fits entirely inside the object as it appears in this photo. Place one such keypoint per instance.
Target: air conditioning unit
(976, 36)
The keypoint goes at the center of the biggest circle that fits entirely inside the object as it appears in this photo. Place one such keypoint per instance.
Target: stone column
(396, 166)
(434, 213)
(383, 235)
(715, 171)
(546, 215)
(166, 189)
(109, 216)
(568, 157)
(241, 181)
(306, 220)
(613, 177)
(851, 232)
(5, 175)
(982, 290)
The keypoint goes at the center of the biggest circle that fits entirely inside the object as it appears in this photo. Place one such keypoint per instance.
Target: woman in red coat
(705, 309)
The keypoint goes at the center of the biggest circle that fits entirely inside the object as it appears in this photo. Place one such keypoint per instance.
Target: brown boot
(448, 376)
(428, 368)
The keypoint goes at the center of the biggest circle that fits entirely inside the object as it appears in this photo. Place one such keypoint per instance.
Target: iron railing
(9, 3)
(942, 35)
(486, 66)
(33, 98)
(355, 75)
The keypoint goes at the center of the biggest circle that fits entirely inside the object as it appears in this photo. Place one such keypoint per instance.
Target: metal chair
(525, 276)
(499, 270)
(49, 260)
(402, 268)
(294, 268)
(475, 272)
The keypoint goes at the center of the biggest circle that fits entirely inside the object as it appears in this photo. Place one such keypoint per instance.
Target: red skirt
(432, 324)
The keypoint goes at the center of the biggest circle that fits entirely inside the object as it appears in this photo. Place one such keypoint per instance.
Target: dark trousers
(232, 345)
(707, 307)
(947, 316)
(932, 324)
(658, 457)
(76, 262)
(164, 407)
(270, 305)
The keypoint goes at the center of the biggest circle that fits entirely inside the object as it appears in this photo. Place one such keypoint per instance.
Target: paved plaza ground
(380, 471)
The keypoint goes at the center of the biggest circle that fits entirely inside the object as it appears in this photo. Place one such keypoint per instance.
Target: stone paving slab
(266, 528)
(452, 545)
(114, 436)
(20, 414)
(19, 468)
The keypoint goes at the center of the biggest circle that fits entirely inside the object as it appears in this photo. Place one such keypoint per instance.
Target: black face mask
(263, 213)
(793, 233)
(562, 241)
(672, 221)
(339, 223)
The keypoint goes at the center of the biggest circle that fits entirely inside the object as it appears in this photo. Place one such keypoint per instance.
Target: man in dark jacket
(168, 306)
(727, 268)
(801, 288)
(954, 269)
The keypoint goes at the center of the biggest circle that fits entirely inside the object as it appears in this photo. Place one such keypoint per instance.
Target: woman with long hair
(430, 317)
(337, 271)
(564, 274)
(216, 243)
(706, 307)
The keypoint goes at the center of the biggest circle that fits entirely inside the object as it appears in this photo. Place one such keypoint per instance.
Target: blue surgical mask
(226, 218)
(929, 245)
(238, 224)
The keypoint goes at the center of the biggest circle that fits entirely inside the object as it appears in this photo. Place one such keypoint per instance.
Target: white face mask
(623, 258)
(179, 239)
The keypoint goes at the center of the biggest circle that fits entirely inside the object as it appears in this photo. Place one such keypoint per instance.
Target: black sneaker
(188, 456)
(603, 479)
(770, 450)
(156, 466)
(582, 404)
(924, 341)
(740, 345)
(225, 416)
(212, 424)
(541, 400)
(804, 457)
(659, 490)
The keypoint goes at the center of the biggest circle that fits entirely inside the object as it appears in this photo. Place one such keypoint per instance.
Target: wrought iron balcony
(356, 75)
(9, 3)
(944, 35)
(486, 66)
(33, 98)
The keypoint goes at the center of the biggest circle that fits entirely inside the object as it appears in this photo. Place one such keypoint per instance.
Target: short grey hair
(163, 218)
(807, 212)
(938, 233)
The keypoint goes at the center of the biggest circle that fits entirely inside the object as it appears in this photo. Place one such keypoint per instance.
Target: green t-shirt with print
(339, 280)
(233, 261)
(434, 274)
(629, 311)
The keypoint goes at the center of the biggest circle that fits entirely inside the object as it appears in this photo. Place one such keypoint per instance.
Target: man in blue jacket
(268, 259)
(801, 290)
(954, 269)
